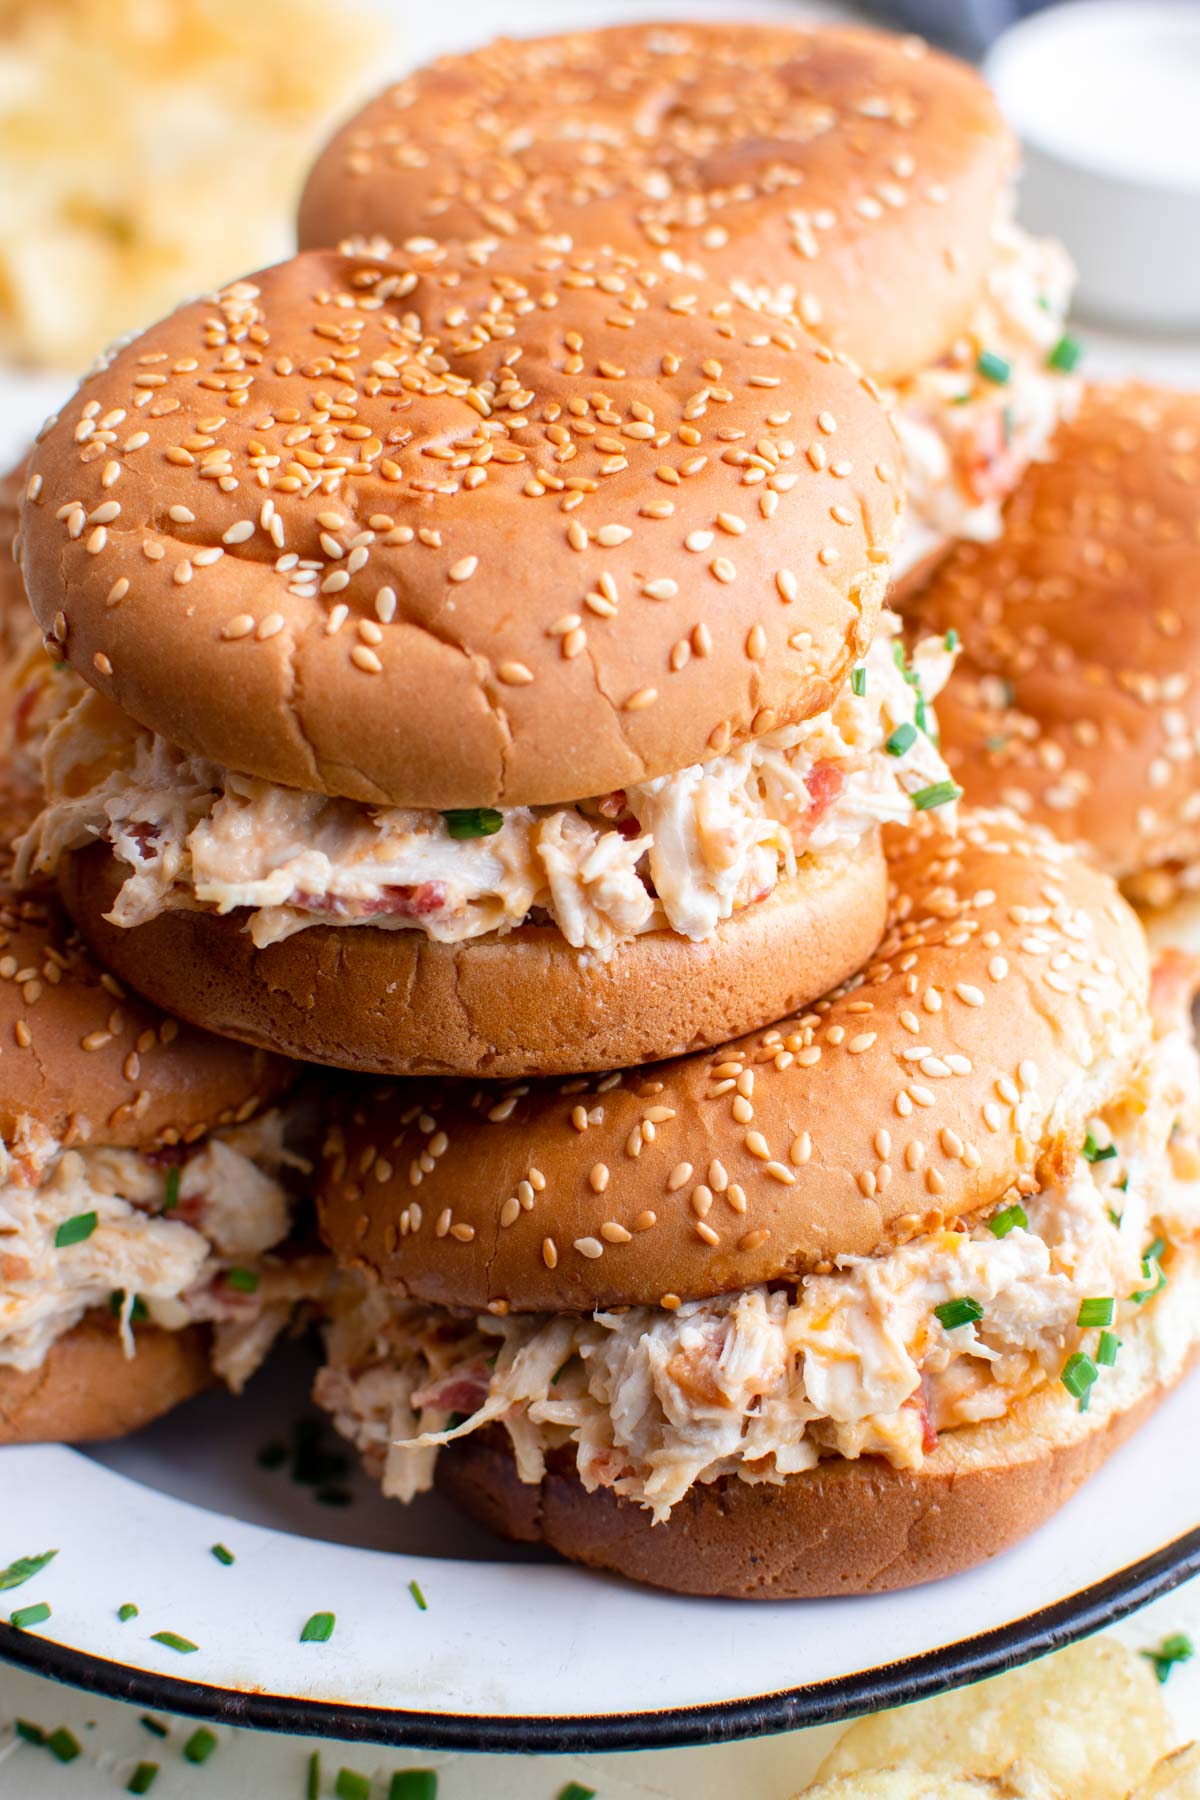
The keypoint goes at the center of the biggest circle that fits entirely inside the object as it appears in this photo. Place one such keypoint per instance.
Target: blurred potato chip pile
(1088, 1723)
(149, 147)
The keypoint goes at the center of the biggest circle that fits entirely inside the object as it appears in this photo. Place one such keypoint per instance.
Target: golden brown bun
(842, 1528)
(857, 171)
(1075, 700)
(485, 659)
(15, 618)
(87, 1388)
(89, 1063)
(1006, 1001)
(396, 1003)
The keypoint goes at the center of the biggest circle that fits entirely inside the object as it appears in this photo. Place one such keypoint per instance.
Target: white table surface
(258, 1766)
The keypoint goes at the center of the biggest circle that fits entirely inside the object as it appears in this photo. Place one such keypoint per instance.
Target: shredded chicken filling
(760, 1384)
(683, 852)
(171, 1242)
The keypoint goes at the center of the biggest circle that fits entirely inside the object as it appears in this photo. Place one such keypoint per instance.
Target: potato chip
(1089, 1721)
(904, 1784)
(1176, 1777)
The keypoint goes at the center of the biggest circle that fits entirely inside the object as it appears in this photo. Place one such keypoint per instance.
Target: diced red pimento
(824, 782)
(919, 1402)
(419, 901)
(461, 1391)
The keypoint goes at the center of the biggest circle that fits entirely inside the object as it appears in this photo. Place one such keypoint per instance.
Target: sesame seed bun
(1005, 1003)
(1074, 700)
(841, 1528)
(396, 1002)
(556, 531)
(87, 1388)
(856, 172)
(88, 1063)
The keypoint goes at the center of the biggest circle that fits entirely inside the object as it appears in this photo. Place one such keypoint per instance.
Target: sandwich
(860, 181)
(1073, 699)
(846, 1305)
(149, 1175)
(474, 672)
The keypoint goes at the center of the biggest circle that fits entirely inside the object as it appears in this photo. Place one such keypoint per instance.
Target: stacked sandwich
(467, 664)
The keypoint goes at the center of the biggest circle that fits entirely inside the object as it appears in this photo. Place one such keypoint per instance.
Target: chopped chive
(473, 822)
(1114, 1218)
(953, 1313)
(1154, 1251)
(28, 1732)
(243, 1281)
(1106, 1349)
(224, 1556)
(24, 1569)
(199, 1746)
(1178, 1648)
(950, 641)
(1152, 1272)
(858, 682)
(902, 739)
(575, 1790)
(76, 1230)
(138, 1310)
(63, 1744)
(1008, 1220)
(313, 1788)
(413, 1784)
(992, 367)
(350, 1786)
(126, 1612)
(1093, 1152)
(1096, 1312)
(1065, 355)
(939, 794)
(319, 1628)
(25, 1616)
(142, 1779)
(1079, 1373)
(173, 1641)
(155, 1727)
(171, 1191)
(414, 1588)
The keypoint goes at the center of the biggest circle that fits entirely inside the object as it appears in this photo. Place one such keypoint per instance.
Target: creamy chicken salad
(683, 852)
(876, 1357)
(172, 1238)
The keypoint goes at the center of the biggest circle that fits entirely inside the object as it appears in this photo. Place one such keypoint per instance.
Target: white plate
(514, 1652)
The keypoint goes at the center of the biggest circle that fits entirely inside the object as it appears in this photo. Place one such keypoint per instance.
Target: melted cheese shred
(681, 852)
(760, 1384)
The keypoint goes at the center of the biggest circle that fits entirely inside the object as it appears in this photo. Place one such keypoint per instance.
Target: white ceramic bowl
(1105, 97)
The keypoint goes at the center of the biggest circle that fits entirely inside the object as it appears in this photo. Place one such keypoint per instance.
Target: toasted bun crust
(1007, 999)
(855, 173)
(87, 1062)
(395, 1003)
(842, 1528)
(15, 620)
(558, 531)
(1074, 700)
(87, 1388)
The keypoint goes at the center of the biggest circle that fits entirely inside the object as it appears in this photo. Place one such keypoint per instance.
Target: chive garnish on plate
(26, 1616)
(414, 1588)
(24, 1569)
(28, 1732)
(126, 1612)
(142, 1779)
(1178, 1648)
(1008, 1220)
(224, 1556)
(351, 1786)
(953, 1313)
(413, 1784)
(575, 1790)
(63, 1744)
(76, 1230)
(319, 1628)
(173, 1641)
(154, 1726)
(312, 1790)
(199, 1746)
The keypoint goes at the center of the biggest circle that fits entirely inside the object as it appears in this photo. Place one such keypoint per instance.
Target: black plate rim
(829, 1702)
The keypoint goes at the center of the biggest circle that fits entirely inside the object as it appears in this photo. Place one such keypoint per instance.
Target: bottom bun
(842, 1528)
(396, 1003)
(87, 1388)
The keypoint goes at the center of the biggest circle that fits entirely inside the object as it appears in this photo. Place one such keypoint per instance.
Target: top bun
(1075, 699)
(1006, 1002)
(851, 174)
(436, 535)
(82, 1061)
(16, 621)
